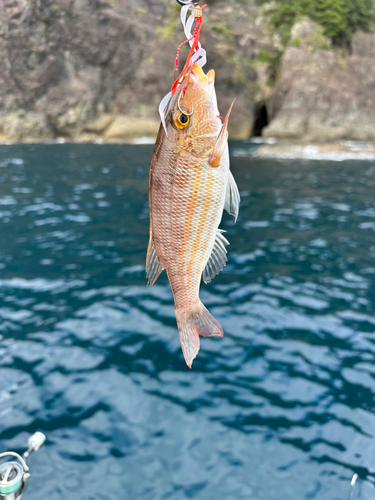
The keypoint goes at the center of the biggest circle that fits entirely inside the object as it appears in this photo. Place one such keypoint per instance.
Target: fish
(190, 184)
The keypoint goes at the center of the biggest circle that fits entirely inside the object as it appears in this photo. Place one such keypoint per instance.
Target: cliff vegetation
(339, 19)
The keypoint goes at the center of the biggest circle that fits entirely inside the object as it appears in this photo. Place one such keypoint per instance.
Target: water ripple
(281, 407)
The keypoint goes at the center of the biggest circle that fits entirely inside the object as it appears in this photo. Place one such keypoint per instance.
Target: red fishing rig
(197, 55)
(195, 48)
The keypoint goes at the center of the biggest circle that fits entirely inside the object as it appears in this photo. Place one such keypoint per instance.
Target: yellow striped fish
(189, 186)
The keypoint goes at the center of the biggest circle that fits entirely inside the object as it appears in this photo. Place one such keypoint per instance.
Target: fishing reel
(14, 475)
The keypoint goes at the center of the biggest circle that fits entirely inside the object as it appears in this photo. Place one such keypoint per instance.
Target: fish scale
(198, 237)
(189, 186)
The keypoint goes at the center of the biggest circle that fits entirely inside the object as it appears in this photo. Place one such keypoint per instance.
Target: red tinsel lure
(197, 55)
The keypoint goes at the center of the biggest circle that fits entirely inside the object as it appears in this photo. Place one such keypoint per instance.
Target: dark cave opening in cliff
(261, 119)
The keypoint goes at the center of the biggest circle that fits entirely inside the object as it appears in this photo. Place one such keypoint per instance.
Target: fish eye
(181, 121)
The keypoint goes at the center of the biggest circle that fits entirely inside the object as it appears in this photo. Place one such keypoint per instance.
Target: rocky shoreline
(345, 150)
(96, 71)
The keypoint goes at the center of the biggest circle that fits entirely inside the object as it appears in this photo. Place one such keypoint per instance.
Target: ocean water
(281, 408)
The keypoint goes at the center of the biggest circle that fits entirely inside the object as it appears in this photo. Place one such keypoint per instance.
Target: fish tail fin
(193, 323)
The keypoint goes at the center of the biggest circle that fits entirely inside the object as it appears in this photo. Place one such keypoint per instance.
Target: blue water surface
(281, 408)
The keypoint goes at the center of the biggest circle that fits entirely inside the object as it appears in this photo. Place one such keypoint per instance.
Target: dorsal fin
(232, 197)
(221, 141)
(217, 259)
(153, 266)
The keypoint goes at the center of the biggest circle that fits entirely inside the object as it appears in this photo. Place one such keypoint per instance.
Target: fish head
(193, 119)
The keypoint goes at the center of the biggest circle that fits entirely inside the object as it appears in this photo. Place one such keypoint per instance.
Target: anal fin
(232, 197)
(153, 266)
(217, 259)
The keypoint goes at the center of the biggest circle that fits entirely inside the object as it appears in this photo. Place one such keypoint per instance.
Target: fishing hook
(179, 107)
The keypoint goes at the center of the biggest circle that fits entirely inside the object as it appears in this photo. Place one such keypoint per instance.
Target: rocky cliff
(323, 94)
(96, 69)
(83, 69)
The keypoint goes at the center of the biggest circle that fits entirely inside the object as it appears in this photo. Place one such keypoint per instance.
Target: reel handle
(34, 442)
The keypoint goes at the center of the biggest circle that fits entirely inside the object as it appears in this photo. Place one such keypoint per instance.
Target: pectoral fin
(221, 141)
(153, 266)
(217, 259)
(232, 197)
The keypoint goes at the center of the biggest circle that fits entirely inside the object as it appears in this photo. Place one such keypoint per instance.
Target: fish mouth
(199, 76)
(207, 82)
